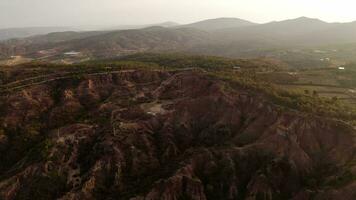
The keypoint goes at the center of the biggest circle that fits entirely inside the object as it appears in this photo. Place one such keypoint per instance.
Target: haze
(29, 13)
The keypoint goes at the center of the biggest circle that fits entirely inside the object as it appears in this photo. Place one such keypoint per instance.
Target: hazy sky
(19, 13)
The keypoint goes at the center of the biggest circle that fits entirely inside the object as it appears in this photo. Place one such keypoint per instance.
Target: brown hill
(152, 134)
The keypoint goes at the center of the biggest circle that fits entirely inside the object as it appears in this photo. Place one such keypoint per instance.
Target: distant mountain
(129, 27)
(16, 33)
(11, 33)
(274, 30)
(220, 23)
(337, 33)
(300, 31)
(56, 37)
(297, 26)
(139, 40)
(108, 43)
(168, 24)
(224, 37)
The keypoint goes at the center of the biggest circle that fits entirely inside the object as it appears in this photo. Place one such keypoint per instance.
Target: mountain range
(219, 23)
(231, 37)
(11, 33)
(300, 31)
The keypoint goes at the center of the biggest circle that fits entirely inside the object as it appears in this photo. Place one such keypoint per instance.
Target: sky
(33, 13)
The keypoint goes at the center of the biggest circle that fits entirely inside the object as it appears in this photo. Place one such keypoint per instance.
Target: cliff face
(147, 135)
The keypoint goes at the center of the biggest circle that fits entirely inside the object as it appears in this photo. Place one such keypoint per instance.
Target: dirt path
(38, 80)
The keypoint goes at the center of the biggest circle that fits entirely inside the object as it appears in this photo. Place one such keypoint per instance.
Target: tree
(315, 93)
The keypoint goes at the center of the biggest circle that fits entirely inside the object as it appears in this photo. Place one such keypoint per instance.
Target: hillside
(148, 130)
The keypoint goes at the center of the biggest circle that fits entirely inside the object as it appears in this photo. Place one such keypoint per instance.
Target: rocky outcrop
(147, 135)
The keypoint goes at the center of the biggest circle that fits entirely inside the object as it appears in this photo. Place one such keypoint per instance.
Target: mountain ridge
(229, 38)
(10, 33)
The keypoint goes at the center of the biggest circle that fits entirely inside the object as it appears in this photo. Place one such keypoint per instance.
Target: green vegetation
(327, 107)
(209, 63)
(177, 61)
